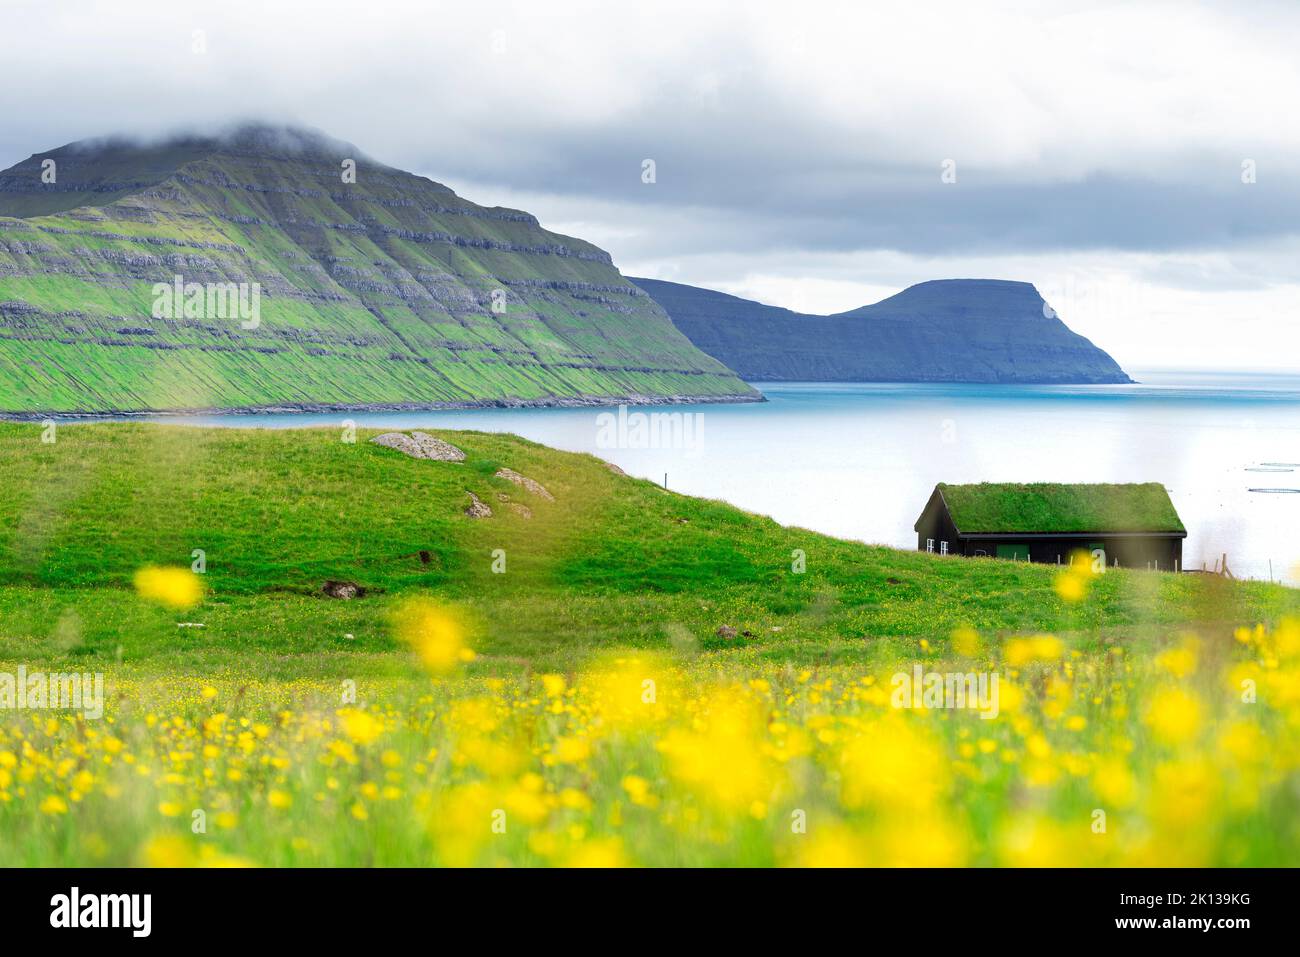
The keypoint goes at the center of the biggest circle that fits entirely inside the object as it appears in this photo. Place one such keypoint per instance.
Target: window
(929, 544)
(943, 548)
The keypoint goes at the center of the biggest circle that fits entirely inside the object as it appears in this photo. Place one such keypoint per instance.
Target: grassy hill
(608, 718)
(378, 292)
(614, 560)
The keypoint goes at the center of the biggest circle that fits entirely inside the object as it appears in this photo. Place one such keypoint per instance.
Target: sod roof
(1051, 507)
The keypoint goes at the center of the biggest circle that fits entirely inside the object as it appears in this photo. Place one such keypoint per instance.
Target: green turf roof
(1052, 507)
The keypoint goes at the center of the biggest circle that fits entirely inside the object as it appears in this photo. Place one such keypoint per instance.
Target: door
(1019, 553)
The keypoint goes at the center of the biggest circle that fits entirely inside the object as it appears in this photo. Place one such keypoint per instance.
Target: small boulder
(726, 632)
(345, 590)
(510, 475)
(477, 507)
(420, 445)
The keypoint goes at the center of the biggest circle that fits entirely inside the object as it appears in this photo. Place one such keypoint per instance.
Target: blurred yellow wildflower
(175, 588)
(1022, 651)
(1174, 716)
(436, 633)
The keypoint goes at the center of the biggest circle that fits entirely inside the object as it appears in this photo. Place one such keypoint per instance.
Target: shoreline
(294, 408)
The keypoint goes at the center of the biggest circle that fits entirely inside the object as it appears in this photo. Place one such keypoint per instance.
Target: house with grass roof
(1129, 526)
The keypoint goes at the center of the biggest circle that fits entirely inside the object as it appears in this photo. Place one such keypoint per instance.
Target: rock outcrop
(524, 482)
(342, 589)
(420, 445)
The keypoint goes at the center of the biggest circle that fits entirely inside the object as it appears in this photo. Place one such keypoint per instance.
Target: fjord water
(860, 460)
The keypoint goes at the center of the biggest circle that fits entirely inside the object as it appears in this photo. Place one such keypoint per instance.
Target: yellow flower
(279, 799)
(833, 845)
(1174, 716)
(169, 809)
(175, 588)
(569, 750)
(437, 634)
(1113, 782)
(603, 853)
(166, 851)
(1181, 661)
(1183, 793)
(1244, 742)
(53, 804)
(1071, 586)
(721, 758)
(893, 764)
(360, 726)
(575, 800)
(1022, 651)
(637, 788)
(553, 685)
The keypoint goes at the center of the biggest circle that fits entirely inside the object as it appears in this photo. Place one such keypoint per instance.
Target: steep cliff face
(951, 330)
(387, 291)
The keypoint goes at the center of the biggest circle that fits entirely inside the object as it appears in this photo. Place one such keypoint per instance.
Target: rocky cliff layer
(951, 330)
(386, 291)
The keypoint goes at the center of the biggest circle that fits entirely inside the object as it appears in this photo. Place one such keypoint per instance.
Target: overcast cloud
(1098, 149)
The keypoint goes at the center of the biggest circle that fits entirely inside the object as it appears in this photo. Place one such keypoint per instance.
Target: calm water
(859, 461)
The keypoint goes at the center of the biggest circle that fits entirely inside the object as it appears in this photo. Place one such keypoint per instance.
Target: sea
(859, 460)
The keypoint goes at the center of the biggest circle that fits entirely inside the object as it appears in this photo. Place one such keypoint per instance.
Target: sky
(1138, 162)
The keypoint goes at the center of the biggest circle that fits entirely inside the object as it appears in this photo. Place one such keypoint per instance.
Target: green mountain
(389, 291)
(949, 330)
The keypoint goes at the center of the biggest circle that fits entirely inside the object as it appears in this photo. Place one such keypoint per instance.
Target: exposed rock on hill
(420, 445)
(477, 508)
(524, 482)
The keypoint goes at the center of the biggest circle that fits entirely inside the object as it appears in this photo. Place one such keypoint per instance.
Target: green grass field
(1127, 699)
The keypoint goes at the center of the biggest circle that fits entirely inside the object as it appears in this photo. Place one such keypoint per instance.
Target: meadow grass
(510, 720)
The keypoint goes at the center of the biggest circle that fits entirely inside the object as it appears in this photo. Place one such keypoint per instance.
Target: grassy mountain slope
(614, 560)
(378, 292)
(952, 330)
